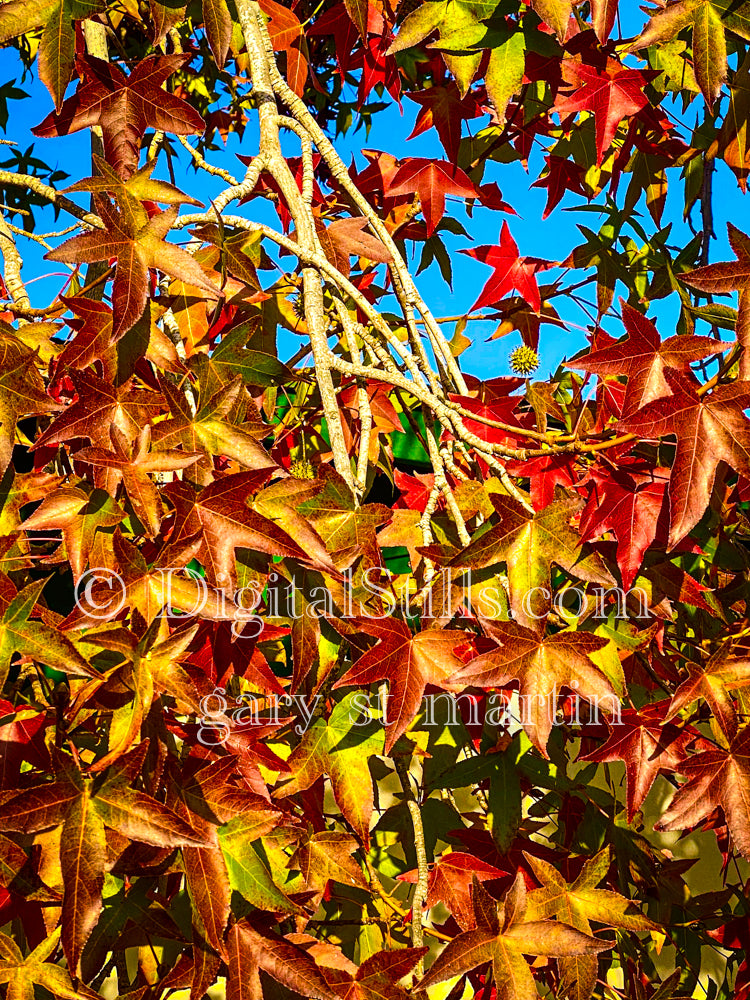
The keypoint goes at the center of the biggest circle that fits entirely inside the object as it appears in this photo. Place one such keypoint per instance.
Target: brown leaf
(124, 107)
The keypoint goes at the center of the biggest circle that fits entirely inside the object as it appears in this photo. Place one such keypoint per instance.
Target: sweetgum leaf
(643, 357)
(408, 662)
(542, 665)
(505, 946)
(57, 45)
(339, 747)
(730, 276)
(138, 244)
(124, 107)
(529, 544)
(719, 776)
(709, 429)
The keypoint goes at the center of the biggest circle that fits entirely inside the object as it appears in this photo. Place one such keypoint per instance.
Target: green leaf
(419, 24)
(248, 867)
(504, 799)
(339, 747)
(504, 75)
(36, 639)
(709, 52)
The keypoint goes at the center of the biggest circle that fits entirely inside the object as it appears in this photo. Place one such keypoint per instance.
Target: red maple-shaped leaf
(631, 502)
(124, 107)
(408, 662)
(450, 883)
(335, 23)
(503, 935)
(562, 175)
(719, 776)
(378, 67)
(642, 358)
(545, 472)
(432, 180)
(415, 490)
(99, 407)
(647, 745)
(493, 401)
(709, 429)
(377, 977)
(444, 109)
(137, 243)
(92, 321)
(610, 96)
(723, 673)
(510, 272)
(542, 665)
(730, 276)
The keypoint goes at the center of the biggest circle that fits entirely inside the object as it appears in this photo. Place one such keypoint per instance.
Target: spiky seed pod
(524, 360)
(298, 306)
(302, 469)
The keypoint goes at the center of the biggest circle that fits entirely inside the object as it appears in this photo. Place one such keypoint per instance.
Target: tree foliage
(336, 671)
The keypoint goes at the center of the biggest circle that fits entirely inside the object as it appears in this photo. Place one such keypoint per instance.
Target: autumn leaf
(339, 747)
(719, 776)
(432, 181)
(21, 392)
(503, 936)
(84, 811)
(562, 175)
(709, 429)
(379, 975)
(220, 516)
(542, 665)
(451, 880)
(346, 529)
(642, 357)
(22, 974)
(140, 186)
(212, 800)
(148, 587)
(131, 464)
(57, 45)
(510, 272)
(137, 243)
(610, 96)
(100, 405)
(256, 863)
(344, 238)
(327, 856)
(358, 11)
(555, 13)
(408, 662)
(208, 430)
(529, 543)
(603, 14)
(124, 107)
(648, 744)
(577, 905)
(731, 276)
(92, 322)
(251, 950)
(79, 515)
(288, 36)
(444, 109)
(218, 24)
(709, 21)
(631, 501)
(722, 673)
(19, 633)
(151, 668)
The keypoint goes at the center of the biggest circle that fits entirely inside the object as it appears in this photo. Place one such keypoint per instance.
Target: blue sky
(551, 239)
